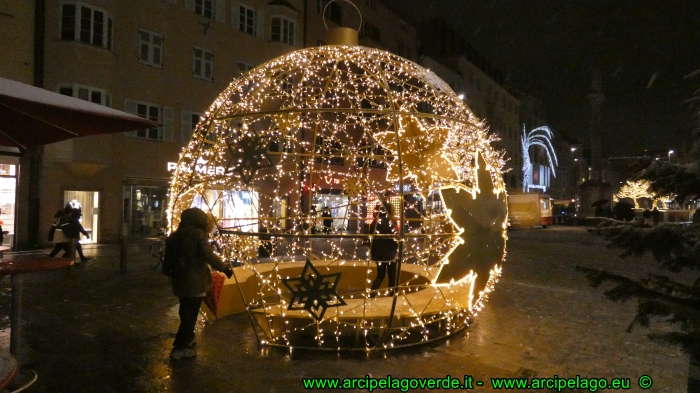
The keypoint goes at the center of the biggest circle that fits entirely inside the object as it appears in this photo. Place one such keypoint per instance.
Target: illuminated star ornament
(339, 129)
(313, 291)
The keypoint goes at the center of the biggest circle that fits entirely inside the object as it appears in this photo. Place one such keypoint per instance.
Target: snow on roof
(23, 91)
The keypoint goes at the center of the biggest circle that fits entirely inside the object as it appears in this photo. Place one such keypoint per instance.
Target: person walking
(383, 250)
(191, 282)
(64, 231)
(74, 230)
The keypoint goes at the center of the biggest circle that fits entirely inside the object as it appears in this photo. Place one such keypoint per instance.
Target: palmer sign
(201, 167)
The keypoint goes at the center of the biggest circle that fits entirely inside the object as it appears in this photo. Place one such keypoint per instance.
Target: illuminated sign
(201, 168)
(331, 180)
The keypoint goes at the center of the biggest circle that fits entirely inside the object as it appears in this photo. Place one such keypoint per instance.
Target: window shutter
(220, 12)
(260, 24)
(189, 4)
(185, 126)
(235, 13)
(130, 106)
(168, 120)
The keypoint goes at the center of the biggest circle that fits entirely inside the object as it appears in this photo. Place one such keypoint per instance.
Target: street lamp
(669, 155)
(575, 179)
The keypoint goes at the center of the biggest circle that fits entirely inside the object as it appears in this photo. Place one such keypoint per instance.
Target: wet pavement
(94, 329)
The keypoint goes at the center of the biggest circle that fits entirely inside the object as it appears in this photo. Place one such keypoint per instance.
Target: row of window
(151, 50)
(151, 53)
(94, 26)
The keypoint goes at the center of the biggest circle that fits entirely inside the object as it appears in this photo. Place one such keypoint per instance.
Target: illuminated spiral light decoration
(367, 125)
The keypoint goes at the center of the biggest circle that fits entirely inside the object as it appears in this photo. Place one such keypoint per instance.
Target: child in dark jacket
(190, 285)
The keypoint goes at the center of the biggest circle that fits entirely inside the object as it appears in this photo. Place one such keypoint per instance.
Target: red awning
(31, 116)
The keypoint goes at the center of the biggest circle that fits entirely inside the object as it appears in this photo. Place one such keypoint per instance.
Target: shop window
(8, 192)
(237, 210)
(283, 30)
(203, 64)
(150, 48)
(144, 209)
(331, 208)
(87, 93)
(280, 207)
(86, 24)
(329, 151)
(88, 204)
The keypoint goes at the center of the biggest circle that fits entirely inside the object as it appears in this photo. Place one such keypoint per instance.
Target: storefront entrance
(337, 205)
(89, 204)
(8, 191)
(144, 209)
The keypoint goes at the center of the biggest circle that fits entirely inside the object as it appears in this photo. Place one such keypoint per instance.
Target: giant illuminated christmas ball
(292, 161)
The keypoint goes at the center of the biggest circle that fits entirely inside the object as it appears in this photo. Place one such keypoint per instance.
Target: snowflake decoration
(313, 291)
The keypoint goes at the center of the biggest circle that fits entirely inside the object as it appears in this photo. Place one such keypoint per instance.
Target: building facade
(168, 61)
(17, 39)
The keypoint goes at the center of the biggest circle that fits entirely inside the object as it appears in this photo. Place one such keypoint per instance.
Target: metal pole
(124, 251)
(73, 247)
(16, 322)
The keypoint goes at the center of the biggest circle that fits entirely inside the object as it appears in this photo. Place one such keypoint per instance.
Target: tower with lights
(596, 99)
(595, 188)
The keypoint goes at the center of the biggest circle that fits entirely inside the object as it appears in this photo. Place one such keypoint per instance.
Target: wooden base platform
(262, 290)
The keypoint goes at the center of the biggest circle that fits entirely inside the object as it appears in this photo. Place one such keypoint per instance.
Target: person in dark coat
(73, 231)
(68, 227)
(327, 220)
(383, 251)
(656, 216)
(191, 239)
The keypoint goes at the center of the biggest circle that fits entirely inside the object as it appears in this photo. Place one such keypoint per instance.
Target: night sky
(644, 50)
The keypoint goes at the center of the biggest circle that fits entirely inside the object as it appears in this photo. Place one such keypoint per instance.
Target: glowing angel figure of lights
(540, 136)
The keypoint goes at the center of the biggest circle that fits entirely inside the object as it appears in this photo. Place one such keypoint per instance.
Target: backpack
(173, 261)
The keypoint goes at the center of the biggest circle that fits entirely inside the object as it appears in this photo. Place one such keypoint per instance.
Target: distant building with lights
(452, 58)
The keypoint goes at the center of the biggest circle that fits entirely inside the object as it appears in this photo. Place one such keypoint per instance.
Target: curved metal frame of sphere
(394, 127)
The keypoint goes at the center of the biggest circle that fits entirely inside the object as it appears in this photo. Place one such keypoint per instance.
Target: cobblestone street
(96, 330)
